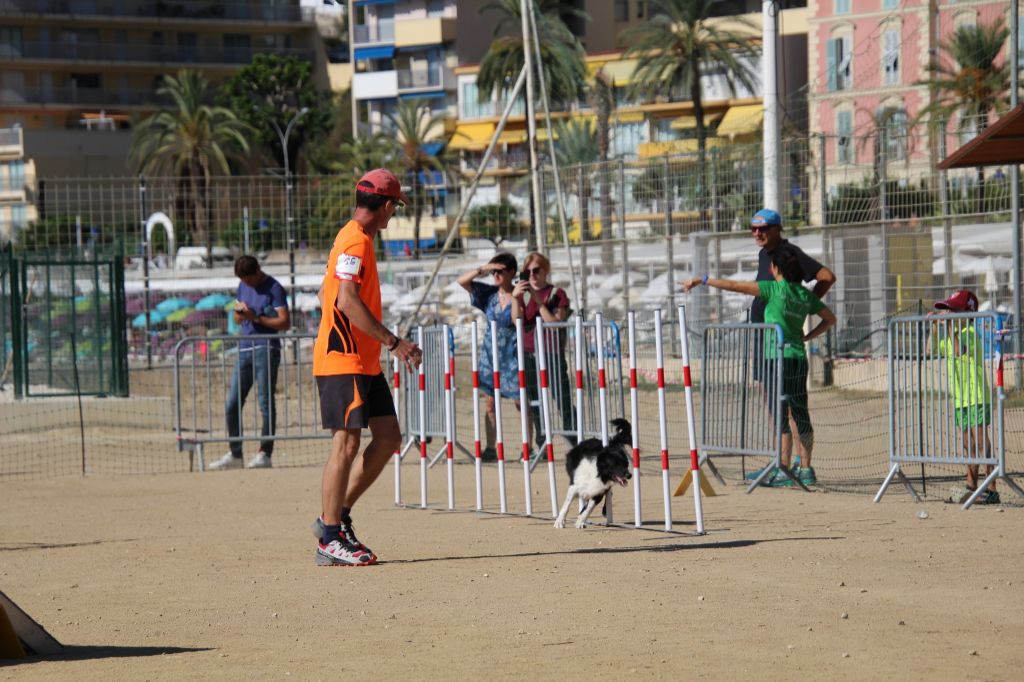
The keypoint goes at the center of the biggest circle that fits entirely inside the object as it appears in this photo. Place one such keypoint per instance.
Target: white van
(190, 257)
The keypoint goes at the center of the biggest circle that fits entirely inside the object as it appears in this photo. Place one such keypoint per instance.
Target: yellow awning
(629, 117)
(472, 136)
(742, 120)
(689, 121)
(648, 149)
(512, 137)
(542, 134)
(619, 70)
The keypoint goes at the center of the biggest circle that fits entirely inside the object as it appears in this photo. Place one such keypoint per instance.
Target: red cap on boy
(962, 301)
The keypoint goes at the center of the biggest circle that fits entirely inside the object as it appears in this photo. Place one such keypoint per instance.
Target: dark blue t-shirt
(810, 267)
(265, 298)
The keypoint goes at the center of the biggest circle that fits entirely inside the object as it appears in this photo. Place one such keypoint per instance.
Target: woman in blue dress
(497, 303)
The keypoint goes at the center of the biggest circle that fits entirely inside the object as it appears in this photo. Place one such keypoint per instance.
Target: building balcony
(191, 10)
(431, 31)
(375, 85)
(435, 77)
(73, 96)
(11, 144)
(153, 54)
(371, 34)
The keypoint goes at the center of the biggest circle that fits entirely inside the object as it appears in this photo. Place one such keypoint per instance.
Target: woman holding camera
(538, 298)
(499, 304)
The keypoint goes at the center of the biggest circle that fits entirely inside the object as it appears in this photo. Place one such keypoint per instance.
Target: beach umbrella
(155, 317)
(214, 301)
(170, 305)
(179, 315)
(198, 316)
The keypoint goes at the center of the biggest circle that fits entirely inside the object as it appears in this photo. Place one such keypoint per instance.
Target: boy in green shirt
(787, 304)
(968, 382)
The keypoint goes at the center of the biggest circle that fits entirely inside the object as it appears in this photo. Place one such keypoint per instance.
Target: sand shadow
(99, 651)
(725, 544)
(24, 546)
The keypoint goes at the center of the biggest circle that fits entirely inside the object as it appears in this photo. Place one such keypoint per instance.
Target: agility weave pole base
(20, 635)
(684, 485)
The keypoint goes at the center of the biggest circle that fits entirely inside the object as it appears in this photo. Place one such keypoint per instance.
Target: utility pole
(537, 208)
(289, 219)
(770, 87)
(1015, 180)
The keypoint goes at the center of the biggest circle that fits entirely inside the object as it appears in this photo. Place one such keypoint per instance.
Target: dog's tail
(623, 432)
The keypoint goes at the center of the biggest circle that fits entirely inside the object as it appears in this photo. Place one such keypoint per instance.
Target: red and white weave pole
(579, 378)
(691, 430)
(449, 416)
(602, 399)
(662, 418)
(476, 418)
(524, 415)
(423, 424)
(634, 417)
(396, 386)
(499, 438)
(545, 406)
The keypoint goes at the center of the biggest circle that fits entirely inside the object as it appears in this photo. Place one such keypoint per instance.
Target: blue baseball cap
(766, 218)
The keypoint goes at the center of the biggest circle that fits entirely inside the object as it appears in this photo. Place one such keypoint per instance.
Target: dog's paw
(559, 523)
(581, 523)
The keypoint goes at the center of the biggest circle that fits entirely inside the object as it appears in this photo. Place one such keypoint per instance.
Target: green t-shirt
(788, 304)
(968, 379)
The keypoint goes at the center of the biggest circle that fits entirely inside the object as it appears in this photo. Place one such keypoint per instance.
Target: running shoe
(228, 461)
(261, 461)
(346, 531)
(807, 476)
(340, 552)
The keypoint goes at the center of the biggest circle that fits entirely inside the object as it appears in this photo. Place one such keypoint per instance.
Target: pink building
(865, 60)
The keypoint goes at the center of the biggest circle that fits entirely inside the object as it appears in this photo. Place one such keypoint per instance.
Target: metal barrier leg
(713, 469)
(199, 457)
(1010, 482)
(981, 489)
(888, 479)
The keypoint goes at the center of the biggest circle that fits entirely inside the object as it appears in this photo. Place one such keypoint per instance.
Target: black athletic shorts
(350, 401)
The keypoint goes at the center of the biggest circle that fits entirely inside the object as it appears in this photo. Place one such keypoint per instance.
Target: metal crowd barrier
(946, 396)
(572, 350)
(203, 370)
(742, 397)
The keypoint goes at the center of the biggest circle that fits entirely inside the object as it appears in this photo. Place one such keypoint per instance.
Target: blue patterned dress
(485, 297)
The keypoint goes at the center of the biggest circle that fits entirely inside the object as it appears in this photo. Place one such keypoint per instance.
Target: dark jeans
(258, 364)
(561, 396)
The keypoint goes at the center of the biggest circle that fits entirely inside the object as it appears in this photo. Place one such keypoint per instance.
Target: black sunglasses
(761, 228)
(533, 271)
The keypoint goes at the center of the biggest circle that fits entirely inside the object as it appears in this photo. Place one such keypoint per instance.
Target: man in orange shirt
(346, 363)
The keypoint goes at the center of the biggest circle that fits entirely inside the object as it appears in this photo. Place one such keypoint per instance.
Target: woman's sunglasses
(534, 271)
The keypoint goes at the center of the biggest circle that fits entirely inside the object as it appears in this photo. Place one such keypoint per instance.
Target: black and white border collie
(594, 469)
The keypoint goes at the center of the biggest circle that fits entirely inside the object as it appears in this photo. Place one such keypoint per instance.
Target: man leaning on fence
(766, 227)
(346, 363)
(261, 308)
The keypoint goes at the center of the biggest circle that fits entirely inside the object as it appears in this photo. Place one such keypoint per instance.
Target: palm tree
(968, 84)
(677, 46)
(416, 126)
(191, 140)
(562, 56)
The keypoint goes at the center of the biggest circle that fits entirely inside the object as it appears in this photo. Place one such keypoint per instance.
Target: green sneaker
(780, 480)
(806, 475)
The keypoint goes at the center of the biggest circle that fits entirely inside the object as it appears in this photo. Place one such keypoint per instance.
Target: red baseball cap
(962, 301)
(383, 182)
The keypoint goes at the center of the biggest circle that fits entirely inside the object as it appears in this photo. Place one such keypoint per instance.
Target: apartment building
(641, 130)
(17, 183)
(75, 73)
(868, 64)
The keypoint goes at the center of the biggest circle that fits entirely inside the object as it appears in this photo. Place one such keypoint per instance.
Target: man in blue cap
(766, 226)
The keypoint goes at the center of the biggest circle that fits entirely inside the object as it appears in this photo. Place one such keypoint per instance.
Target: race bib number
(348, 267)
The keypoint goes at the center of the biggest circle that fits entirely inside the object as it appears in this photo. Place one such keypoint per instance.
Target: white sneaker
(260, 461)
(228, 461)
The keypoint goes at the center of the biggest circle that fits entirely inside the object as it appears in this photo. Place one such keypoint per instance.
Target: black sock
(346, 515)
(330, 533)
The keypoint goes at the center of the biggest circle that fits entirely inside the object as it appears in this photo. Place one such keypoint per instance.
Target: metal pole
(625, 241)
(584, 233)
(245, 227)
(525, 7)
(769, 42)
(669, 251)
(822, 184)
(146, 254)
(1015, 180)
(947, 224)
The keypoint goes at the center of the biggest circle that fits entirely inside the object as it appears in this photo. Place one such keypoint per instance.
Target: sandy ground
(211, 576)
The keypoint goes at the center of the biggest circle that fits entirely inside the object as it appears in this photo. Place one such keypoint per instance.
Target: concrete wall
(78, 153)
